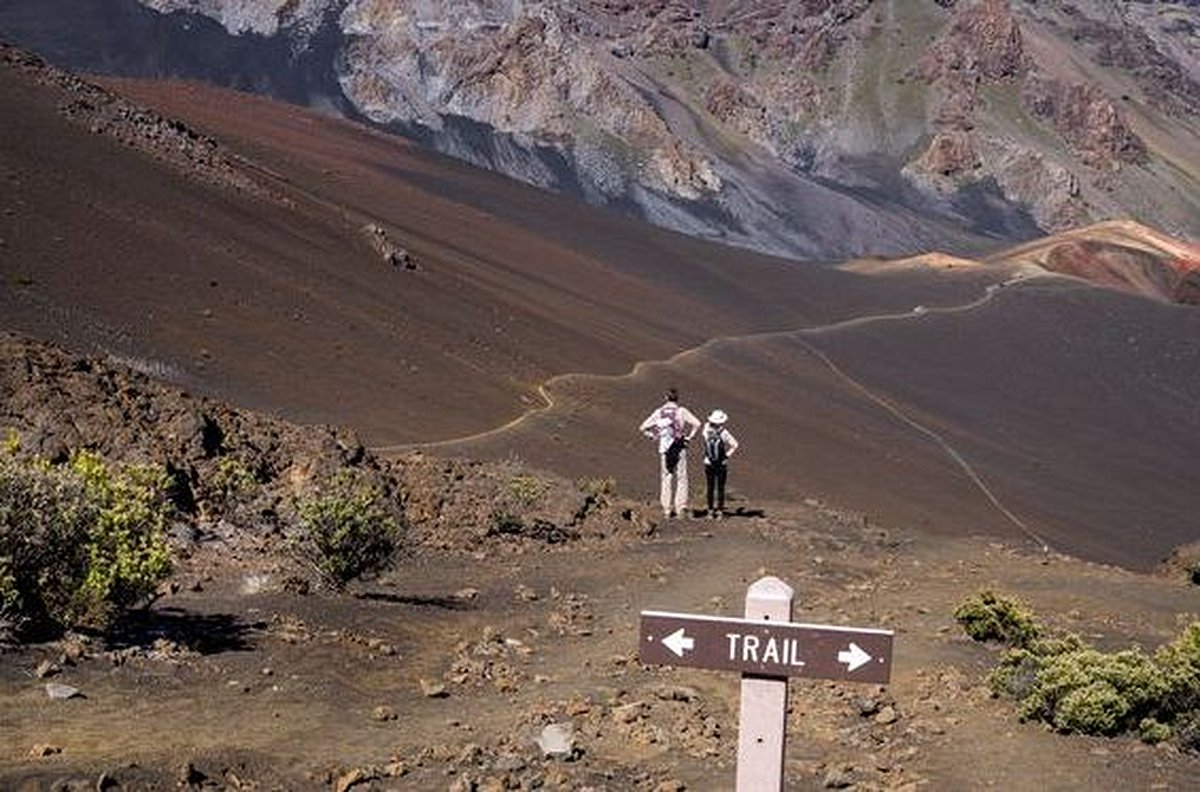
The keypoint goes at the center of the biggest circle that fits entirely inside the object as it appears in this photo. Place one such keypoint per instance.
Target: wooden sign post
(767, 647)
(762, 725)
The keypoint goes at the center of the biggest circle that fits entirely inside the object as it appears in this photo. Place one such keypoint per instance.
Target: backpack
(714, 448)
(670, 422)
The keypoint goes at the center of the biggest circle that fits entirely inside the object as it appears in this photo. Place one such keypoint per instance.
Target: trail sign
(766, 648)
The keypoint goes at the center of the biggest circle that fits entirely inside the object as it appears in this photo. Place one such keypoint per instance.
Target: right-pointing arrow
(679, 643)
(854, 657)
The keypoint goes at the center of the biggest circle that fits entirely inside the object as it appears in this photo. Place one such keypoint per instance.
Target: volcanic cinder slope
(238, 251)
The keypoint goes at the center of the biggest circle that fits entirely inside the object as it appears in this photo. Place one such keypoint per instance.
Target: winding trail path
(543, 391)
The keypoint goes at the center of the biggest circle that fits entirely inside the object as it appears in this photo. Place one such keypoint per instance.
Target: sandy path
(882, 402)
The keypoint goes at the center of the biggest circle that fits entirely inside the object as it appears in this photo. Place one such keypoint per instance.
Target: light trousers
(674, 493)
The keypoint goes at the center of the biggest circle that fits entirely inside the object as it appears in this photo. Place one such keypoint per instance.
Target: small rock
(384, 713)
(431, 688)
(628, 713)
(255, 584)
(348, 780)
(556, 739)
(74, 648)
(44, 749)
(46, 668)
(466, 594)
(509, 763)
(57, 690)
(671, 785)
(676, 693)
(886, 715)
(839, 778)
(868, 707)
(381, 646)
(190, 776)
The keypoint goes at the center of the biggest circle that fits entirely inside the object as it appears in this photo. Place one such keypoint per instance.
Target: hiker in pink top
(672, 425)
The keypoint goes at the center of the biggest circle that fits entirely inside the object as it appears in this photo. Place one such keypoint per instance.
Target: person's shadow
(740, 511)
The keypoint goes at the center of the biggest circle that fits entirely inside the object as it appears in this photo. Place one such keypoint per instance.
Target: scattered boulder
(431, 688)
(61, 692)
(557, 740)
(46, 668)
(839, 778)
(384, 713)
(41, 750)
(886, 716)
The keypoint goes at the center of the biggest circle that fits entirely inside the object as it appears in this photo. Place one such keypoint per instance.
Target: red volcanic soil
(1125, 268)
(536, 327)
(1120, 255)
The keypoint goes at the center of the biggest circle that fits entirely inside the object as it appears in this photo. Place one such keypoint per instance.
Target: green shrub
(1074, 687)
(1180, 664)
(1151, 731)
(1094, 692)
(988, 616)
(527, 490)
(44, 522)
(598, 487)
(12, 442)
(79, 543)
(233, 481)
(347, 529)
(127, 549)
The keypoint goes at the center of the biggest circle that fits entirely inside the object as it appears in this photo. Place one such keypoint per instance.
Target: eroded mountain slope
(818, 128)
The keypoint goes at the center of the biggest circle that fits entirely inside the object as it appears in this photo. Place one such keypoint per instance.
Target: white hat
(718, 417)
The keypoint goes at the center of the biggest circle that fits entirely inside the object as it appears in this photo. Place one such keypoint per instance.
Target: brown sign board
(765, 648)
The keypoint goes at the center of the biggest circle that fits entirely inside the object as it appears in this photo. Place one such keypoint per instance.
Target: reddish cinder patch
(1131, 269)
(1185, 265)
(1188, 289)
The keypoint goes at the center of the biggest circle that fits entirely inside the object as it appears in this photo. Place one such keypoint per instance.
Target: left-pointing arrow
(679, 643)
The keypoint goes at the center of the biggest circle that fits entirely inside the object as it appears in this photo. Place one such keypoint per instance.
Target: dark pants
(715, 476)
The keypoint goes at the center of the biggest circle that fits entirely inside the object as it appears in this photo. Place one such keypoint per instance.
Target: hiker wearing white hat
(719, 446)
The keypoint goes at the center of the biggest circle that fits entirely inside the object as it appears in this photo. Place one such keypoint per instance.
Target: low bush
(527, 489)
(988, 616)
(598, 487)
(347, 529)
(1074, 687)
(79, 543)
(233, 481)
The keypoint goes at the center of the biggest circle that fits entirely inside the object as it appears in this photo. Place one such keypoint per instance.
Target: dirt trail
(544, 391)
(299, 692)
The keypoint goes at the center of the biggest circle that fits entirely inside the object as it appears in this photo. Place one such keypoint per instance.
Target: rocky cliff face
(809, 127)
